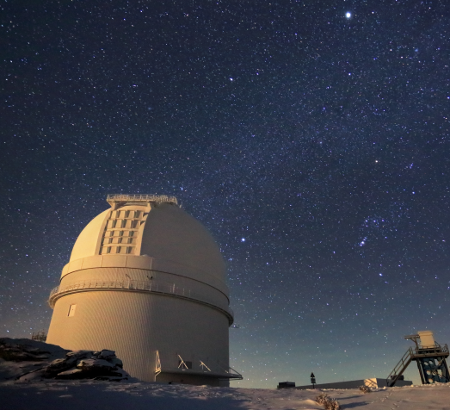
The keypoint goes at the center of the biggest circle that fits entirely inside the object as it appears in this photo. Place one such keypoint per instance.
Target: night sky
(310, 137)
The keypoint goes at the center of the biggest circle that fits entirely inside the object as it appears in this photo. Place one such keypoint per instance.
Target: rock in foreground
(28, 360)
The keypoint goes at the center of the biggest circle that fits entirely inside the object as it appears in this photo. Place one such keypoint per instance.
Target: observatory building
(147, 280)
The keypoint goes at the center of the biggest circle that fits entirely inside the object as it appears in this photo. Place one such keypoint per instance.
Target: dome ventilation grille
(122, 232)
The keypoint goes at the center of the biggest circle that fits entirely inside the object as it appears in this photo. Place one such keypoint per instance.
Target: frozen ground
(35, 394)
(76, 395)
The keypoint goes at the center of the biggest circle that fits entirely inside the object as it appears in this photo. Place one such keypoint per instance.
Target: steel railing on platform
(399, 368)
(142, 197)
(417, 354)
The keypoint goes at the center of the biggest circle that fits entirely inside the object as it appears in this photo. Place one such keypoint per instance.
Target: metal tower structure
(430, 358)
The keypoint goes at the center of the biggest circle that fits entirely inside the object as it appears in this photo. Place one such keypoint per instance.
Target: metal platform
(113, 199)
(430, 359)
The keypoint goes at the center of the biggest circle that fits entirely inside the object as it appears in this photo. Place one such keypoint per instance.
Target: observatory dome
(147, 280)
(166, 233)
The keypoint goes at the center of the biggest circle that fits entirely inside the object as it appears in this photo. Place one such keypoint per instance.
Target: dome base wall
(141, 328)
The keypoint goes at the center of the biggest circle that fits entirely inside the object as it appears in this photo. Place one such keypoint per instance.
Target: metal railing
(411, 355)
(151, 286)
(399, 368)
(142, 197)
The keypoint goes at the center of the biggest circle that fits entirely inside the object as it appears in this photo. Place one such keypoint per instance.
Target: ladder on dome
(430, 361)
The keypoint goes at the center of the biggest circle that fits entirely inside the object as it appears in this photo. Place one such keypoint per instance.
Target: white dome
(174, 240)
(147, 280)
(172, 234)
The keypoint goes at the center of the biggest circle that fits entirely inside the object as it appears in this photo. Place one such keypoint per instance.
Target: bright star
(348, 14)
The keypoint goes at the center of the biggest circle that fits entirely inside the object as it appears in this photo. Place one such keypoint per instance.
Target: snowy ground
(35, 394)
(76, 395)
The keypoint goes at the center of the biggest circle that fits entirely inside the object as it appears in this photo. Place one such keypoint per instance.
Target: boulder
(82, 364)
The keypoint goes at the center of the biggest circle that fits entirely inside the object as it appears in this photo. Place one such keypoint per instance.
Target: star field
(311, 138)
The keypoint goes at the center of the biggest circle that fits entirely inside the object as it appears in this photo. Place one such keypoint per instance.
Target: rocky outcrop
(36, 361)
(103, 365)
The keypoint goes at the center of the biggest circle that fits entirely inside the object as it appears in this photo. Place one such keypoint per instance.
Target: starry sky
(310, 137)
